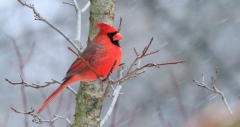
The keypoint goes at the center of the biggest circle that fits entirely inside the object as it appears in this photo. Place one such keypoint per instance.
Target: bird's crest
(105, 27)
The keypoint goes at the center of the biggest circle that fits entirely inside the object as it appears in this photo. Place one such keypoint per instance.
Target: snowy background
(205, 33)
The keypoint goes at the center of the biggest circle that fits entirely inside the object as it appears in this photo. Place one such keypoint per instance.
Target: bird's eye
(110, 35)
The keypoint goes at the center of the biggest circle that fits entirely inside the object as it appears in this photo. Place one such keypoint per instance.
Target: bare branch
(171, 63)
(114, 96)
(112, 105)
(139, 70)
(38, 120)
(214, 90)
(40, 18)
(135, 51)
(138, 56)
(75, 4)
(86, 7)
(120, 24)
(134, 73)
(69, 48)
(114, 114)
(150, 53)
(106, 92)
(68, 3)
(147, 47)
(130, 75)
(79, 16)
(36, 86)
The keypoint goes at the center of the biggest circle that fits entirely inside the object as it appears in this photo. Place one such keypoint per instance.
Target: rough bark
(88, 102)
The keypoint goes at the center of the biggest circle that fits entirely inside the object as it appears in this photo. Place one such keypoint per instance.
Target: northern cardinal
(100, 54)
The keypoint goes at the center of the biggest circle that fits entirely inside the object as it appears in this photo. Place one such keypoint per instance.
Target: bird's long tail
(54, 95)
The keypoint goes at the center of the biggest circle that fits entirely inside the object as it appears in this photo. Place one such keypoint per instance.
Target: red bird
(100, 54)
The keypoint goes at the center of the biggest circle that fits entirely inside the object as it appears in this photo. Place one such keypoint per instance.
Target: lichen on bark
(88, 100)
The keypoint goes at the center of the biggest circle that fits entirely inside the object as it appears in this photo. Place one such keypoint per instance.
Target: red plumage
(100, 54)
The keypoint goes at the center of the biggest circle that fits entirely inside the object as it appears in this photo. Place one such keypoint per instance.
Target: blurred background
(205, 33)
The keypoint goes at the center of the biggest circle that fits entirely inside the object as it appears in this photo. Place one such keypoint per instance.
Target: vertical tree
(89, 102)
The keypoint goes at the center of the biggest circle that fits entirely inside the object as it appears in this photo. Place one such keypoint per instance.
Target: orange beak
(117, 37)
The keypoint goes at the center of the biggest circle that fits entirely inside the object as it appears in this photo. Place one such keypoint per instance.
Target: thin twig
(69, 48)
(214, 90)
(37, 86)
(75, 4)
(135, 51)
(40, 18)
(79, 18)
(86, 7)
(120, 24)
(140, 56)
(39, 120)
(68, 3)
(134, 73)
(106, 92)
(78, 31)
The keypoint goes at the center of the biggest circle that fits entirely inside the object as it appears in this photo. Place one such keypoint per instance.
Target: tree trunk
(88, 102)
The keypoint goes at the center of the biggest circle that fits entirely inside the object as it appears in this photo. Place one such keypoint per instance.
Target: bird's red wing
(75, 69)
(89, 55)
(76, 65)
